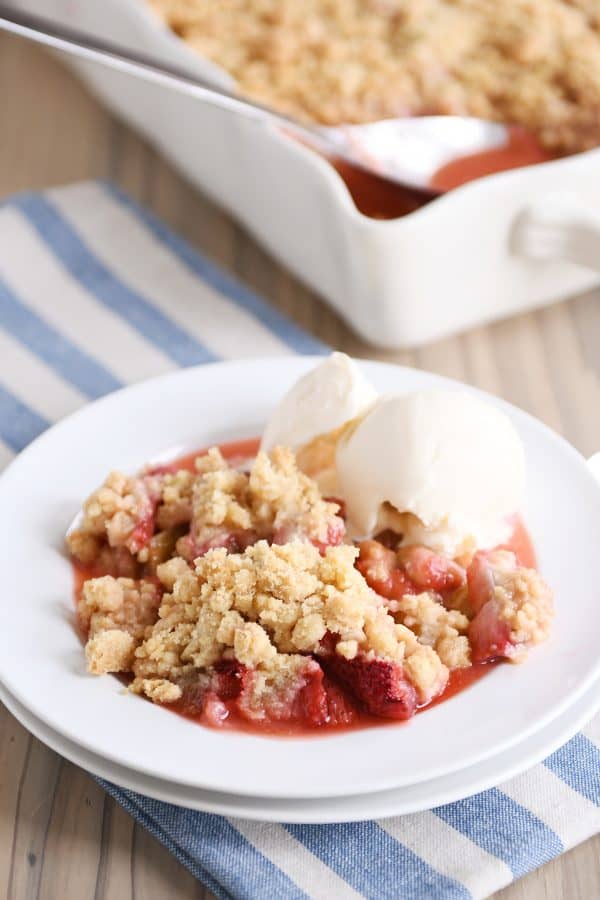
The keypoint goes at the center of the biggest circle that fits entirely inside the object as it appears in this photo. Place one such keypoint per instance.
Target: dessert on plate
(364, 560)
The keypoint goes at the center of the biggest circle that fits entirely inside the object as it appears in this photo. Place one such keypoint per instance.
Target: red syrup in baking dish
(379, 198)
(238, 452)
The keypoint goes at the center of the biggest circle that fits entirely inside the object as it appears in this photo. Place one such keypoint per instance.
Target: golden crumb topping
(437, 627)
(122, 603)
(110, 651)
(524, 601)
(266, 607)
(269, 600)
(132, 524)
(115, 612)
(535, 63)
(116, 510)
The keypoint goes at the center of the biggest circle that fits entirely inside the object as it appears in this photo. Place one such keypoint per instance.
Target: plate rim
(210, 801)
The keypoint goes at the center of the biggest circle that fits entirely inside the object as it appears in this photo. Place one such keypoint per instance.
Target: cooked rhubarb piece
(379, 566)
(429, 571)
(191, 546)
(409, 570)
(148, 498)
(489, 634)
(380, 686)
(512, 605)
(480, 581)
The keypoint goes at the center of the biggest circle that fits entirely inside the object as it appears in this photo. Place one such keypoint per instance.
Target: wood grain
(61, 837)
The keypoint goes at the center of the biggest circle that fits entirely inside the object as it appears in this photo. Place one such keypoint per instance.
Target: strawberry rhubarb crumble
(227, 587)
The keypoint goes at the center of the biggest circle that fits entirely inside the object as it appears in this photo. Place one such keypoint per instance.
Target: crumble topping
(145, 520)
(176, 500)
(511, 607)
(118, 511)
(530, 62)
(110, 651)
(266, 607)
(288, 501)
(159, 690)
(427, 672)
(524, 600)
(443, 629)
(269, 600)
(115, 612)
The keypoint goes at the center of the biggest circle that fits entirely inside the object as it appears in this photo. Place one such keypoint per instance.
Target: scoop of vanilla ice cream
(321, 401)
(451, 460)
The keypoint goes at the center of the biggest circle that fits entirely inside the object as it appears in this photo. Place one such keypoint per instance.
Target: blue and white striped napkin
(96, 293)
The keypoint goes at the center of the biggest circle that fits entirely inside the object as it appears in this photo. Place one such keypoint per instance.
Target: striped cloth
(96, 293)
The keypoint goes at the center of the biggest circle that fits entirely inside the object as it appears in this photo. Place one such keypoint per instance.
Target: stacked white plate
(502, 724)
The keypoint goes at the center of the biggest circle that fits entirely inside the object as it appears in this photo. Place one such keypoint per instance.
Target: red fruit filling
(379, 567)
(489, 636)
(148, 496)
(233, 541)
(393, 573)
(429, 571)
(488, 633)
(480, 581)
(380, 686)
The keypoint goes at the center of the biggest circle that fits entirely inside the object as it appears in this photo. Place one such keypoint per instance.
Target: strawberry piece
(489, 635)
(429, 571)
(228, 678)
(340, 710)
(225, 681)
(312, 701)
(380, 686)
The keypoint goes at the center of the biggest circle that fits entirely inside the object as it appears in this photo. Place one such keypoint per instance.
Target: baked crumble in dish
(533, 63)
(227, 587)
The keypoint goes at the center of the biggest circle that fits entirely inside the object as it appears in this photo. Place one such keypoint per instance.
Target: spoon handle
(94, 49)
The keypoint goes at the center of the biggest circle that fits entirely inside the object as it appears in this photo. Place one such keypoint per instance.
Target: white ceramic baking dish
(498, 246)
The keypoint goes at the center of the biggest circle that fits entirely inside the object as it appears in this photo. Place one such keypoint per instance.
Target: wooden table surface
(60, 836)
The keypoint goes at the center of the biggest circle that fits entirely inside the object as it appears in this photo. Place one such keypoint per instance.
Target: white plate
(356, 808)
(42, 664)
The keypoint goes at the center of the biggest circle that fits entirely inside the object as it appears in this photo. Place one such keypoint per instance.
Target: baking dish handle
(559, 227)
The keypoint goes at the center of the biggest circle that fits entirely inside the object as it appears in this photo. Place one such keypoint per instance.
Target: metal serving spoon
(407, 151)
